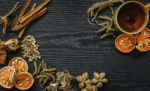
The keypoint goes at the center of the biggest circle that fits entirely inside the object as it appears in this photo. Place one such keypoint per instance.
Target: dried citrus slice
(24, 81)
(3, 56)
(125, 43)
(19, 64)
(7, 75)
(144, 41)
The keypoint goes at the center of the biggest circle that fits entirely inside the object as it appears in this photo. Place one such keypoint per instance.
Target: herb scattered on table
(23, 20)
(30, 48)
(86, 84)
(104, 22)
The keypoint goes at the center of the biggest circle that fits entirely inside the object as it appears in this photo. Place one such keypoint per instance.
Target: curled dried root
(97, 7)
(106, 23)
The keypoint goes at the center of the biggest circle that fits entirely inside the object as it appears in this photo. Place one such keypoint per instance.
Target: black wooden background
(67, 41)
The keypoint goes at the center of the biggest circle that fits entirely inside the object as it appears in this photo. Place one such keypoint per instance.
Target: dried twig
(21, 26)
(4, 20)
(22, 31)
(36, 10)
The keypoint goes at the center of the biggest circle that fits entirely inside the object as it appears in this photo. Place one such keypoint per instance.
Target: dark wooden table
(67, 41)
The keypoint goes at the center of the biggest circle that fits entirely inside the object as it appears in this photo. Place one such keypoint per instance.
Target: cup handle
(147, 6)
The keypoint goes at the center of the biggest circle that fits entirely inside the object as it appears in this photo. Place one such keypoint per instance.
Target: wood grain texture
(67, 41)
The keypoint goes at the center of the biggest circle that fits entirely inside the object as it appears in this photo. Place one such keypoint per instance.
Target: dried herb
(44, 74)
(62, 82)
(86, 84)
(104, 22)
(99, 79)
(30, 48)
(84, 81)
(33, 14)
(97, 7)
(4, 20)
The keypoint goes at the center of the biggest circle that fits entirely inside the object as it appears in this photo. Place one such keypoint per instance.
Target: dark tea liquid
(131, 17)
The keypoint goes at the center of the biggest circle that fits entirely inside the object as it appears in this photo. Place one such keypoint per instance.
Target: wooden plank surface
(67, 41)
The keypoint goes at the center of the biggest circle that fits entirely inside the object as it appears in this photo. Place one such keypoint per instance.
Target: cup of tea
(132, 17)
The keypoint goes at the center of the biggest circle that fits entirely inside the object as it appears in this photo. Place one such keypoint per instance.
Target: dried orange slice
(19, 64)
(3, 56)
(144, 41)
(7, 75)
(24, 81)
(125, 43)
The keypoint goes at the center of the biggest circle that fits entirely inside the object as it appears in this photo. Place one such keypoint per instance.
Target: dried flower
(85, 84)
(30, 48)
(99, 79)
(84, 81)
(64, 78)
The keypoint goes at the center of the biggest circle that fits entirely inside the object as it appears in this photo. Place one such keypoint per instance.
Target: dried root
(97, 7)
(4, 20)
(105, 22)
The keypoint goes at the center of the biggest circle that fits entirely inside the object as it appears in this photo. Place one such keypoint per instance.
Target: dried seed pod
(24, 81)
(52, 87)
(99, 79)
(7, 75)
(19, 64)
(83, 77)
(84, 81)
(99, 85)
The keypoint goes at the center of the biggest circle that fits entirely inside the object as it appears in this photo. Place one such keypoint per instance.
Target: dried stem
(32, 13)
(22, 31)
(21, 26)
(23, 10)
(5, 19)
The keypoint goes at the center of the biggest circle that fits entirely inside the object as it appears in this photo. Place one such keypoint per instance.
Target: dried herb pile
(126, 42)
(105, 23)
